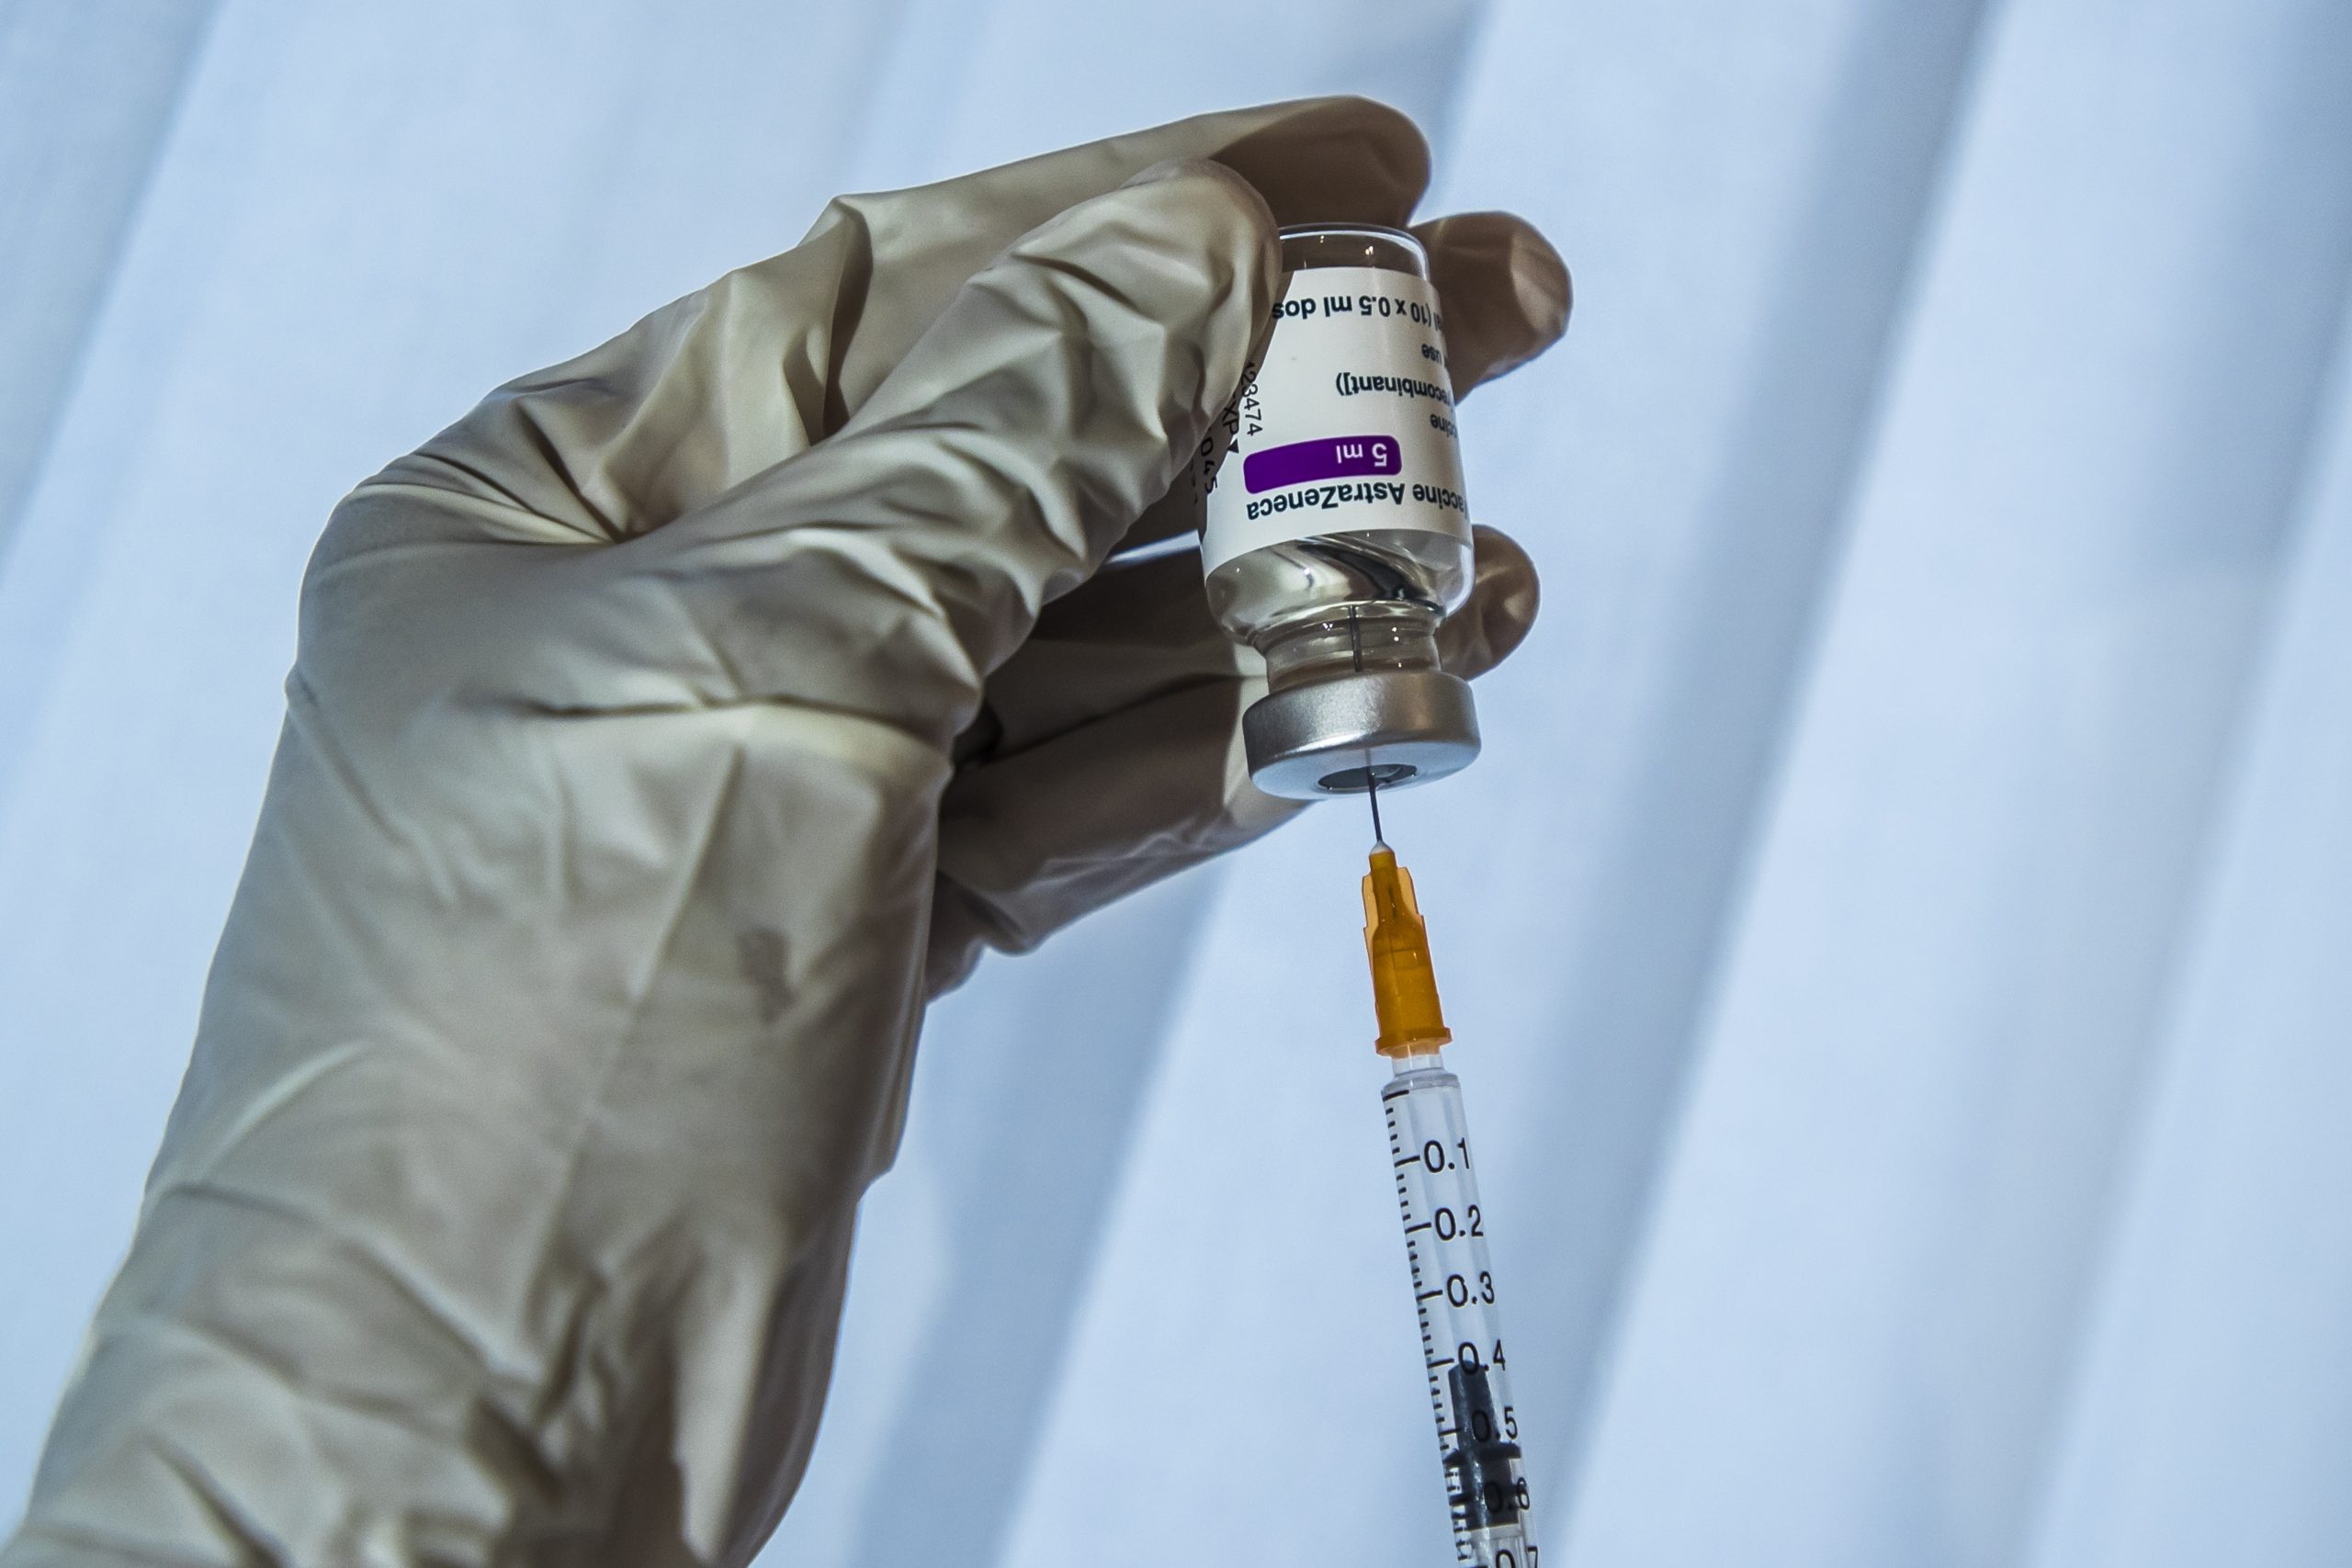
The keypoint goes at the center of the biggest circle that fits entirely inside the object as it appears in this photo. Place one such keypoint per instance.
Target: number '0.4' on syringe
(1445, 1232)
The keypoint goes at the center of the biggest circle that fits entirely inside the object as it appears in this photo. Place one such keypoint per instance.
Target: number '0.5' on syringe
(1445, 1232)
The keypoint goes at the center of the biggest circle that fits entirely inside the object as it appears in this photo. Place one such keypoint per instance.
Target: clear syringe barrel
(1462, 1336)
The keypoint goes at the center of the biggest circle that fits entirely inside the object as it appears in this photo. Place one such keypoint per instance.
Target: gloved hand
(661, 736)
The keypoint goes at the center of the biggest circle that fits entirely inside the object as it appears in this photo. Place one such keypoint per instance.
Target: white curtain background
(1900, 934)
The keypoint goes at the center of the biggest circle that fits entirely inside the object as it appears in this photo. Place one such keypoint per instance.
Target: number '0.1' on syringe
(1445, 1232)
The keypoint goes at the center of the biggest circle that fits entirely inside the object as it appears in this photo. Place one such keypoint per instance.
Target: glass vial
(1335, 535)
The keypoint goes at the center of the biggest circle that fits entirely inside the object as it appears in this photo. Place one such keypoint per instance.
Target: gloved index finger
(1311, 161)
(908, 555)
(716, 388)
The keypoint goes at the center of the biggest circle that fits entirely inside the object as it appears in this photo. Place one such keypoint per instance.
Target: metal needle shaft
(1371, 773)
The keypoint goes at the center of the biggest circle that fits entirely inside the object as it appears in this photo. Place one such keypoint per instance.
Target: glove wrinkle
(843, 232)
(449, 484)
(91, 1544)
(251, 1541)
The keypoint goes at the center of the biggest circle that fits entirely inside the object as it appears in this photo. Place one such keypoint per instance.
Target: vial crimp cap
(1337, 736)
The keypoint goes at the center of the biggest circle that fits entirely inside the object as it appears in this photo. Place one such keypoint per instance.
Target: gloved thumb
(1002, 459)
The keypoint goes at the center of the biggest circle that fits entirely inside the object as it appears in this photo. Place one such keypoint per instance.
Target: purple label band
(1333, 457)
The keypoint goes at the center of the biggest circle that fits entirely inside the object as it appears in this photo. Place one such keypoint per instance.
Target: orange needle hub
(1403, 986)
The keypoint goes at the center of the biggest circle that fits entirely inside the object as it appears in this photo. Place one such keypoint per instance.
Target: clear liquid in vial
(1331, 603)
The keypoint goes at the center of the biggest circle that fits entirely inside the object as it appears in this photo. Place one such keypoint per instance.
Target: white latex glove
(661, 736)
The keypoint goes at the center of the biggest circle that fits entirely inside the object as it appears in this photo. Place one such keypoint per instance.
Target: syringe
(1445, 1232)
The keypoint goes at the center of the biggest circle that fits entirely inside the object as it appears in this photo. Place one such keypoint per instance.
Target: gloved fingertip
(1341, 159)
(1546, 292)
(1507, 292)
(1215, 182)
(1505, 596)
(1223, 220)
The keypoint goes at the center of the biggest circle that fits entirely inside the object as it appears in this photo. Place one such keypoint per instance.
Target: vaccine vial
(1336, 536)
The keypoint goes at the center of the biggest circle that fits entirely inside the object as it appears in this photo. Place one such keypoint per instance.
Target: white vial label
(1349, 425)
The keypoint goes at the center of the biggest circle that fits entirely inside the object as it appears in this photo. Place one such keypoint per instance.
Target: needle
(1371, 775)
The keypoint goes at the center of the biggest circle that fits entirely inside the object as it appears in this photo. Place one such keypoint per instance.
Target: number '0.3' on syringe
(1446, 1231)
